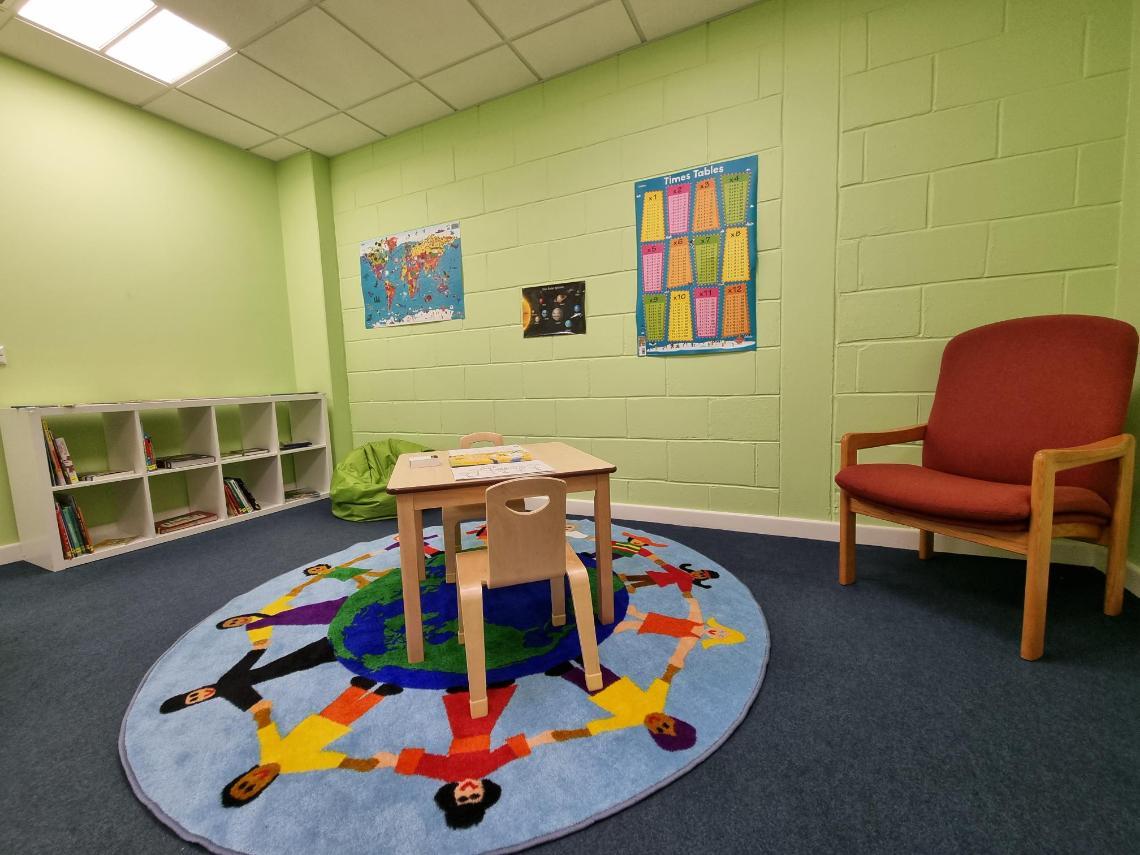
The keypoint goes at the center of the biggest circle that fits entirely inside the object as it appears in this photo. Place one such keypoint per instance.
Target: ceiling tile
(320, 55)
(481, 78)
(407, 107)
(661, 17)
(420, 37)
(181, 108)
(235, 22)
(277, 149)
(579, 40)
(242, 87)
(334, 135)
(43, 50)
(515, 17)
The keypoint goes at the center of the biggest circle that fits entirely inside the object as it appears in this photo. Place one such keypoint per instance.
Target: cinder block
(523, 265)
(769, 271)
(745, 128)
(378, 185)
(767, 461)
(850, 158)
(768, 371)
(768, 225)
(750, 418)
(490, 231)
(603, 338)
(893, 313)
(888, 92)
(609, 207)
(380, 386)
(846, 364)
(1084, 111)
(589, 255)
(474, 272)
(669, 418)
(883, 207)
(464, 417)
(576, 87)
(711, 462)
(744, 500)
(771, 62)
(1082, 237)
(1032, 13)
(515, 186)
(415, 351)
(1007, 187)
(1100, 173)
(712, 86)
(1109, 42)
(356, 225)
(558, 131)
(668, 495)
(921, 27)
(396, 149)
(847, 266)
(510, 111)
(899, 366)
(525, 418)
(934, 141)
(853, 45)
(429, 169)
(769, 174)
(591, 417)
(370, 354)
(456, 200)
(855, 413)
(443, 133)
(662, 57)
(483, 154)
(954, 307)
(1010, 63)
(558, 379)
(463, 347)
(400, 214)
(439, 384)
(585, 168)
(954, 252)
(761, 24)
(1091, 292)
(711, 374)
(494, 381)
(552, 219)
(611, 294)
(626, 377)
(508, 344)
(634, 458)
(491, 308)
(351, 297)
(407, 416)
(768, 322)
(659, 150)
(625, 111)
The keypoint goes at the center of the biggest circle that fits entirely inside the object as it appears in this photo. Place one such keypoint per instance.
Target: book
(181, 461)
(148, 453)
(58, 478)
(238, 453)
(65, 461)
(247, 494)
(300, 493)
(103, 475)
(181, 521)
(112, 542)
(87, 547)
(289, 446)
(491, 455)
(63, 539)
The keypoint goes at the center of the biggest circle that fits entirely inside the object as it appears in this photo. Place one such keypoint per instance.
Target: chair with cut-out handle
(523, 546)
(453, 518)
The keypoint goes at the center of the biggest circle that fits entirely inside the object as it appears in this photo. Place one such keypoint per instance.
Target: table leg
(410, 523)
(602, 537)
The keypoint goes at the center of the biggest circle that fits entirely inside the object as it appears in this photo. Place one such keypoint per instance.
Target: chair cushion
(929, 492)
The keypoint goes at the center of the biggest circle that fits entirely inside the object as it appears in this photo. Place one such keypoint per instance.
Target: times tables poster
(696, 259)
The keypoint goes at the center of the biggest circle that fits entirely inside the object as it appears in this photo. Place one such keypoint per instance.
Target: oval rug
(290, 719)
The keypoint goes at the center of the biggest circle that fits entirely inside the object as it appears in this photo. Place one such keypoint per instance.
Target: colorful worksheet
(697, 238)
(412, 277)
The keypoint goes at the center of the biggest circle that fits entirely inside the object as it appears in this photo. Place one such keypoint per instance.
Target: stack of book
(238, 453)
(181, 461)
(182, 521)
(148, 453)
(239, 498)
(103, 475)
(73, 534)
(300, 493)
(60, 467)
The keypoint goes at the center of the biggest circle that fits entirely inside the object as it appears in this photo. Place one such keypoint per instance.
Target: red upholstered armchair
(1023, 445)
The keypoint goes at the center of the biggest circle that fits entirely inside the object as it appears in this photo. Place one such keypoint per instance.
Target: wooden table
(435, 487)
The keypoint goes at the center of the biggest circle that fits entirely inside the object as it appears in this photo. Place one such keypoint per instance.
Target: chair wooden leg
(459, 614)
(452, 533)
(1040, 546)
(558, 601)
(584, 617)
(471, 604)
(1118, 536)
(925, 544)
(846, 540)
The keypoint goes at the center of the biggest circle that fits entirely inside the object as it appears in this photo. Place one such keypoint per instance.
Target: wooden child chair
(523, 546)
(453, 518)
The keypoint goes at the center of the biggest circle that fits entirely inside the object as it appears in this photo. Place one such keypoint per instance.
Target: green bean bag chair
(360, 481)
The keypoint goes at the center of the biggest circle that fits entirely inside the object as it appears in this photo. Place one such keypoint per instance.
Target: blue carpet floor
(895, 716)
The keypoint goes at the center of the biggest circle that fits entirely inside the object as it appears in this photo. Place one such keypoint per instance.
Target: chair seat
(930, 492)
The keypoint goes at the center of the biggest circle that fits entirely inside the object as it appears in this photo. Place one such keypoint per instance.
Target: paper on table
(500, 470)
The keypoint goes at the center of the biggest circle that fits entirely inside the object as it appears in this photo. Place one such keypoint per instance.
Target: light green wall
(139, 259)
(1128, 298)
(925, 167)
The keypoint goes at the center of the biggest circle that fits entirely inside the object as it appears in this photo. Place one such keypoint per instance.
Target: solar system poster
(554, 309)
(696, 259)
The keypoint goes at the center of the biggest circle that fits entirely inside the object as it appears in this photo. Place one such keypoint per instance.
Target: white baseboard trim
(892, 537)
(10, 552)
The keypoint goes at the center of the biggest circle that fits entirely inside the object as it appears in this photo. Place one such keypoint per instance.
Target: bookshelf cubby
(128, 505)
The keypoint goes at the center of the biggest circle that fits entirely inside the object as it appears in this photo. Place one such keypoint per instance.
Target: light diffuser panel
(167, 47)
(90, 23)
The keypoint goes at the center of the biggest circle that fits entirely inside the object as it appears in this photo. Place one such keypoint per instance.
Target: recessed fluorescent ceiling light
(90, 22)
(167, 47)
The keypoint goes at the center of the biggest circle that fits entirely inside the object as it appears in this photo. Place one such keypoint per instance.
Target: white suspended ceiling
(331, 75)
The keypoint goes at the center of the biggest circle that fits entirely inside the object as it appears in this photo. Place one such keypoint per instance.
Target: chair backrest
(522, 545)
(1010, 389)
(482, 436)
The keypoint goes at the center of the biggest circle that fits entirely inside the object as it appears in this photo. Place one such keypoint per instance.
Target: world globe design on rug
(291, 720)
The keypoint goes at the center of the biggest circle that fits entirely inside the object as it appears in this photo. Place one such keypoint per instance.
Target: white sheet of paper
(501, 470)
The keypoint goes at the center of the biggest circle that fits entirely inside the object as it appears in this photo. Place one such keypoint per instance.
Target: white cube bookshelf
(129, 505)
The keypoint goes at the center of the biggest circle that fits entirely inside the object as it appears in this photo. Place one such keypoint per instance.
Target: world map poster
(412, 277)
(696, 259)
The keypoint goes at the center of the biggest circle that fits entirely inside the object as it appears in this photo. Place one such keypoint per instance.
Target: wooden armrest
(853, 443)
(1059, 459)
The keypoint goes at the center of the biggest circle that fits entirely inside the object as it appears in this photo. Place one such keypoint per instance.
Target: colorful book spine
(87, 545)
(57, 476)
(69, 473)
(63, 540)
(148, 453)
(74, 538)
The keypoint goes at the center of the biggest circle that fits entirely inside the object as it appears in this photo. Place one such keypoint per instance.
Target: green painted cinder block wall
(925, 167)
(139, 259)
